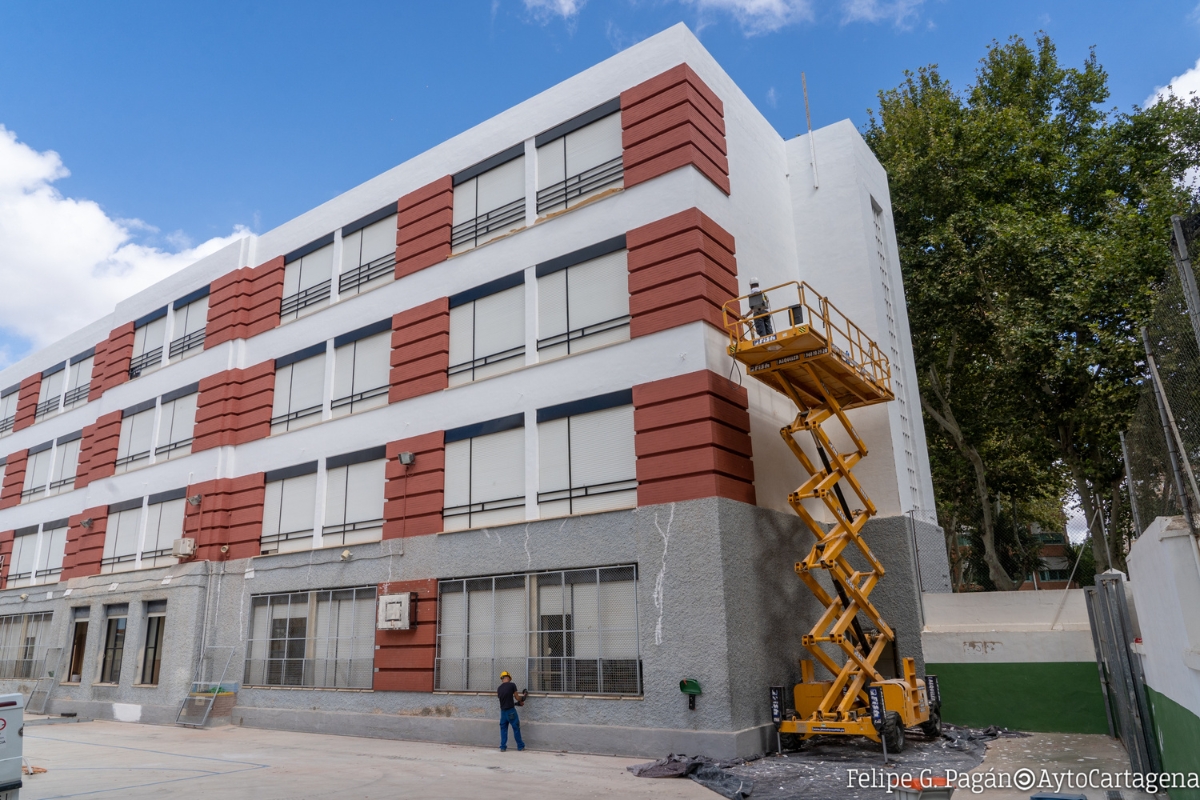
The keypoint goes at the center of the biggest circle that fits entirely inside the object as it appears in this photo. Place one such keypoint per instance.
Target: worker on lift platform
(760, 310)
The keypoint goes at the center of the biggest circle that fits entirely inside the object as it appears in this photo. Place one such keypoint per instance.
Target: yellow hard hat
(505, 675)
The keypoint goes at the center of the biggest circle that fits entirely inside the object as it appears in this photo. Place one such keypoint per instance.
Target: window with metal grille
(117, 619)
(121, 536)
(487, 330)
(8, 408)
(37, 471)
(368, 252)
(23, 639)
(156, 620)
(580, 158)
(354, 498)
(485, 475)
(573, 632)
(24, 557)
(79, 379)
(586, 460)
(37, 554)
(66, 463)
(583, 304)
(190, 319)
(289, 508)
(320, 639)
(489, 199)
(299, 389)
(307, 278)
(164, 524)
(149, 335)
(50, 391)
(137, 436)
(176, 423)
(361, 369)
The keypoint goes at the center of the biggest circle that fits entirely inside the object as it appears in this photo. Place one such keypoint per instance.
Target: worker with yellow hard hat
(509, 700)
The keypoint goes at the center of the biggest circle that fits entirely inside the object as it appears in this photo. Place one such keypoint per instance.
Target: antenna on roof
(812, 145)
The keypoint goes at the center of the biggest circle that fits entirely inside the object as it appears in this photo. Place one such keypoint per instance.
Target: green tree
(1031, 224)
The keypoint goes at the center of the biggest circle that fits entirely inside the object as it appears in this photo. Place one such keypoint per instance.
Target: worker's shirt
(758, 304)
(506, 693)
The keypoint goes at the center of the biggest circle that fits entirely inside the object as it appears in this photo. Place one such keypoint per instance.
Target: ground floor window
(22, 645)
(572, 631)
(156, 618)
(117, 618)
(79, 629)
(323, 638)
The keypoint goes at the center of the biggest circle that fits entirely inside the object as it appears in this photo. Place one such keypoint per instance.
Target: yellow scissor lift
(806, 349)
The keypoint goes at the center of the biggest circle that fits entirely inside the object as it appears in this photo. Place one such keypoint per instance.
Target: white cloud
(544, 9)
(757, 16)
(898, 12)
(1182, 86)
(64, 262)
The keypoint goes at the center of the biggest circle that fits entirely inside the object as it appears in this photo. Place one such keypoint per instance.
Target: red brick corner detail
(692, 437)
(234, 407)
(244, 303)
(681, 269)
(98, 449)
(423, 225)
(413, 495)
(420, 350)
(404, 660)
(85, 546)
(27, 400)
(14, 479)
(670, 121)
(111, 365)
(230, 514)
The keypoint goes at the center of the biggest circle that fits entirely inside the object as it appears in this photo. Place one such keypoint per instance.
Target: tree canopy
(1031, 224)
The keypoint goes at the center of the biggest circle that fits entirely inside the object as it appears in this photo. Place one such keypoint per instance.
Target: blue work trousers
(509, 717)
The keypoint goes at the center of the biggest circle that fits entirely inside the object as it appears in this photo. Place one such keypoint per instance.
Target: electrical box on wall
(397, 612)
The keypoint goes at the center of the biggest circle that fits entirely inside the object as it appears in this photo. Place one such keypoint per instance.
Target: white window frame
(285, 489)
(167, 446)
(122, 517)
(40, 457)
(284, 417)
(76, 393)
(472, 345)
(186, 337)
(52, 543)
(49, 395)
(559, 333)
(362, 271)
(135, 419)
(475, 222)
(305, 299)
(363, 473)
(573, 480)
(149, 343)
(66, 453)
(467, 450)
(364, 393)
(161, 512)
(8, 408)
(579, 181)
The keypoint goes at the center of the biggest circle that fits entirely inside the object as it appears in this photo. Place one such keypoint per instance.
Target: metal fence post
(1185, 502)
(1187, 278)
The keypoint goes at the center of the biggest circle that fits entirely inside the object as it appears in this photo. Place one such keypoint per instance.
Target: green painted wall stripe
(1053, 697)
(1178, 739)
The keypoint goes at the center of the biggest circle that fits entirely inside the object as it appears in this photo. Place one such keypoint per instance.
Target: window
(489, 199)
(299, 389)
(38, 555)
(580, 158)
(137, 436)
(121, 536)
(176, 423)
(368, 252)
(37, 471)
(24, 557)
(116, 616)
(361, 369)
(156, 618)
(191, 317)
(50, 391)
(586, 459)
(573, 631)
(8, 408)
(23, 645)
(79, 379)
(487, 330)
(66, 463)
(289, 509)
(52, 545)
(307, 278)
(321, 639)
(354, 498)
(164, 524)
(148, 336)
(79, 628)
(485, 474)
(583, 299)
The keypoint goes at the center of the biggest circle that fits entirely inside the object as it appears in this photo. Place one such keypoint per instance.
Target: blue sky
(180, 124)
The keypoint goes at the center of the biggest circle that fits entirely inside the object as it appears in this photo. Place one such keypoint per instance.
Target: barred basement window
(50, 391)
(580, 158)
(150, 332)
(583, 299)
(572, 632)
(137, 436)
(164, 524)
(38, 554)
(156, 619)
(299, 389)
(321, 639)
(368, 252)
(8, 408)
(485, 474)
(23, 640)
(307, 278)
(37, 471)
(489, 199)
(586, 457)
(176, 423)
(354, 498)
(121, 537)
(117, 618)
(361, 369)
(191, 317)
(79, 381)
(487, 330)
(66, 463)
(289, 508)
